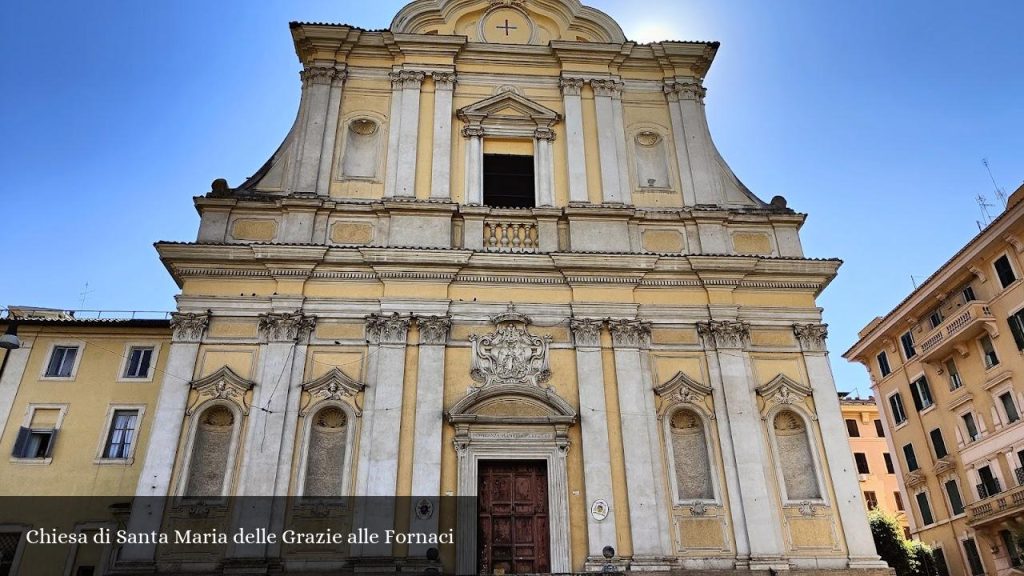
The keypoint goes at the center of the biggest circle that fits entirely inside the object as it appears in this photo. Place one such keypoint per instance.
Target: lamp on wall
(10, 340)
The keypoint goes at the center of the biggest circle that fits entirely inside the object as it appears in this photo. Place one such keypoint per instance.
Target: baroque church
(498, 256)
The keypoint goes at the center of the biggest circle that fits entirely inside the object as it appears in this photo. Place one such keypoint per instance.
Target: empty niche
(651, 162)
(360, 159)
(690, 456)
(210, 451)
(795, 459)
(325, 463)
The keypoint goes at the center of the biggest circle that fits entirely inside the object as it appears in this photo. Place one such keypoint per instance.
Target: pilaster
(611, 140)
(841, 467)
(695, 138)
(187, 330)
(576, 159)
(408, 134)
(544, 177)
(441, 163)
(474, 165)
(321, 85)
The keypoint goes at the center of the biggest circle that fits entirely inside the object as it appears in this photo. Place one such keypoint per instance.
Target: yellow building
(948, 376)
(499, 248)
(876, 467)
(76, 402)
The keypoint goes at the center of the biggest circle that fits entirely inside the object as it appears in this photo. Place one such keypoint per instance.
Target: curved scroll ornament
(510, 354)
(224, 384)
(783, 390)
(681, 389)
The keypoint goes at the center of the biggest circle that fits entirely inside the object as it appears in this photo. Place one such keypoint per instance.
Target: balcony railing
(517, 235)
(990, 488)
(958, 328)
(996, 506)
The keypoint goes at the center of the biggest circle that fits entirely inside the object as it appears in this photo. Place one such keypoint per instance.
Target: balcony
(954, 333)
(998, 506)
(511, 230)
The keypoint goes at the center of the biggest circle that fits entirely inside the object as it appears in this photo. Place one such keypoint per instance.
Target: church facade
(498, 255)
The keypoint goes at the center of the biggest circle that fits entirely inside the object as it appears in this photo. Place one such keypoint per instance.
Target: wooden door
(513, 517)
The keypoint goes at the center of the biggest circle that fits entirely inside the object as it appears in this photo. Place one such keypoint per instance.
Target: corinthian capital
(586, 332)
(443, 80)
(319, 75)
(811, 336)
(611, 88)
(403, 79)
(188, 326)
(630, 333)
(285, 326)
(571, 86)
(685, 90)
(434, 329)
(720, 334)
(387, 329)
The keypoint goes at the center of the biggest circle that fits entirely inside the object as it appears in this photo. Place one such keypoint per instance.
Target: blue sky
(871, 116)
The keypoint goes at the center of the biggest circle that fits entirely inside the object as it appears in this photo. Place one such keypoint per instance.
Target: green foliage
(907, 557)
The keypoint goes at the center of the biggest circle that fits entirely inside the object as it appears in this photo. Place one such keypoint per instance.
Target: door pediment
(512, 404)
(508, 114)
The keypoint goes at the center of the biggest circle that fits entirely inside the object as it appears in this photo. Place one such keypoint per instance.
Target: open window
(509, 181)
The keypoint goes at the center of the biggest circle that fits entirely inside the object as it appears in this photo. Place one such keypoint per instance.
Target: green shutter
(21, 443)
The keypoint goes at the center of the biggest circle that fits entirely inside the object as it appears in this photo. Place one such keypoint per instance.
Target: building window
(62, 362)
(973, 558)
(938, 444)
(968, 294)
(953, 374)
(1009, 408)
(921, 393)
(989, 483)
(970, 426)
(508, 181)
(940, 562)
(870, 499)
(883, 364)
(888, 463)
(1004, 271)
(907, 340)
(210, 452)
(793, 450)
(879, 430)
(139, 362)
(38, 434)
(862, 463)
(121, 437)
(1016, 322)
(924, 508)
(935, 318)
(9, 543)
(1012, 550)
(899, 500)
(325, 462)
(899, 415)
(690, 458)
(852, 429)
(956, 502)
(988, 352)
(911, 458)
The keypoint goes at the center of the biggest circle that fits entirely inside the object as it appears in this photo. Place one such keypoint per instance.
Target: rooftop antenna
(84, 294)
(1000, 193)
(984, 205)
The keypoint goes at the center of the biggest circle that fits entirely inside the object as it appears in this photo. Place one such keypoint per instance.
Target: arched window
(360, 156)
(325, 459)
(690, 456)
(210, 452)
(795, 458)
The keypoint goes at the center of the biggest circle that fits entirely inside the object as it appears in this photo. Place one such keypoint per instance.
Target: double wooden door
(513, 517)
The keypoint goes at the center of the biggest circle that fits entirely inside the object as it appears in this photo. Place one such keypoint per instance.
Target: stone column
(841, 467)
(408, 135)
(576, 158)
(382, 419)
(594, 427)
(695, 138)
(648, 519)
(317, 84)
(147, 512)
(269, 440)
(544, 167)
(679, 139)
(323, 181)
(474, 164)
(394, 129)
(426, 471)
(605, 92)
(733, 386)
(441, 162)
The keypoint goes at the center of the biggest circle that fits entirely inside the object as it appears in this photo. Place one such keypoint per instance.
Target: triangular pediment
(783, 390)
(508, 106)
(224, 384)
(683, 385)
(334, 385)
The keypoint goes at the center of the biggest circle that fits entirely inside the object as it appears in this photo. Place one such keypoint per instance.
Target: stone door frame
(513, 442)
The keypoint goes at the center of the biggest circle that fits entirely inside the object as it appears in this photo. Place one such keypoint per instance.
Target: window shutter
(916, 396)
(21, 443)
(1015, 328)
(49, 447)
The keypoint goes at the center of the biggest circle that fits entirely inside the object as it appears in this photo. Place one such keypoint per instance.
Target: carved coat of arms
(510, 354)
